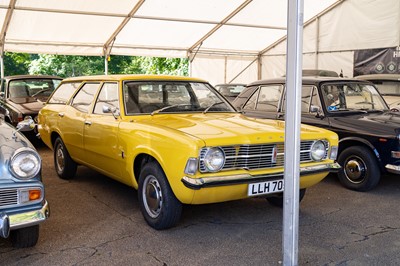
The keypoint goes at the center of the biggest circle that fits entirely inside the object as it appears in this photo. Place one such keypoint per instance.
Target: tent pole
(292, 132)
(316, 41)
(2, 66)
(105, 64)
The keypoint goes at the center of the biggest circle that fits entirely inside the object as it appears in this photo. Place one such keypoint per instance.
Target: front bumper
(21, 220)
(214, 181)
(394, 169)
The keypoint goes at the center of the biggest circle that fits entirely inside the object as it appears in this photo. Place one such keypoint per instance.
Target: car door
(311, 108)
(100, 132)
(73, 120)
(264, 102)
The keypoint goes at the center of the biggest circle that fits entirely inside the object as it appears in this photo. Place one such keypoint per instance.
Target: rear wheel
(25, 237)
(65, 166)
(158, 204)
(277, 200)
(360, 170)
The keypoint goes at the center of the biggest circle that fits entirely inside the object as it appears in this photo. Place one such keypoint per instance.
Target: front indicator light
(30, 195)
(191, 166)
(334, 152)
(396, 154)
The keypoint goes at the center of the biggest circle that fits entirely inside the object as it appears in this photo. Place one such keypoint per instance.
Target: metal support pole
(292, 132)
(2, 67)
(106, 64)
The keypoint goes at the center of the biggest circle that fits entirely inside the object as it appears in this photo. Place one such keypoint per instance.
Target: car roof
(379, 77)
(31, 77)
(138, 77)
(305, 80)
(231, 84)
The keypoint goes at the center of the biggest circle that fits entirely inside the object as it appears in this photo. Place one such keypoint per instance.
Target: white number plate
(267, 187)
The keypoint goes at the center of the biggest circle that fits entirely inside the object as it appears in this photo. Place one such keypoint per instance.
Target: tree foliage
(69, 66)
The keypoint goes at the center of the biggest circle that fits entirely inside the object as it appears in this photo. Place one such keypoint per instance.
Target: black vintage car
(24, 95)
(22, 201)
(369, 132)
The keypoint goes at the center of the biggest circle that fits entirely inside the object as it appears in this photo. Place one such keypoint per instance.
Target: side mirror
(111, 110)
(315, 109)
(25, 125)
(2, 95)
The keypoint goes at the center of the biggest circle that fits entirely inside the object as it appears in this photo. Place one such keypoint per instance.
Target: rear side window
(64, 93)
(84, 97)
(108, 97)
(265, 99)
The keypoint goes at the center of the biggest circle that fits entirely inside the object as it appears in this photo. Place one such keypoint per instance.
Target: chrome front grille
(8, 197)
(260, 156)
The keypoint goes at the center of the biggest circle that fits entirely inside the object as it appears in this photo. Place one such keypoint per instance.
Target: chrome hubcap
(60, 159)
(355, 170)
(152, 196)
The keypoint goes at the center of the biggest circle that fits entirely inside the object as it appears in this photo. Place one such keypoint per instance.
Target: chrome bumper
(24, 219)
(394, 169)
(213, 181)
(4, 225)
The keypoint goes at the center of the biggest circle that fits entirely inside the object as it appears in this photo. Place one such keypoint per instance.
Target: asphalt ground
(96, 221)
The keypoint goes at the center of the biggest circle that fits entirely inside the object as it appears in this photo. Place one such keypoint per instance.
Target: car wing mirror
(25, 125)
(315, 109)
(2, 95)
(111, 110)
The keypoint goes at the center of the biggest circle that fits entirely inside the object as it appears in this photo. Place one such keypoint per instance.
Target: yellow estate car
(175, 139)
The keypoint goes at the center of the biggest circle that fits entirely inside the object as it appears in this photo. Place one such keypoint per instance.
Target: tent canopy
(165, 28)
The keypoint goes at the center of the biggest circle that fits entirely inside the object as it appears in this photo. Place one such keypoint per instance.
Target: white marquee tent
(226, 41)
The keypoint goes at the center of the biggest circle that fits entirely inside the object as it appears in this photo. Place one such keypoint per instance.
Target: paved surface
(96, 221)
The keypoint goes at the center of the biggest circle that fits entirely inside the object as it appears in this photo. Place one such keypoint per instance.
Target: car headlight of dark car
(25, 163)
(318, 151)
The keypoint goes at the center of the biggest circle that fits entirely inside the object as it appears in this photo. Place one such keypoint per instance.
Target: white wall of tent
(226, 41)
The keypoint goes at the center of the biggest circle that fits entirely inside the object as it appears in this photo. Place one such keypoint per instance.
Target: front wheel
(277, 200)
(360, 170)
(25, 237)
(158, 204)
(65, 166)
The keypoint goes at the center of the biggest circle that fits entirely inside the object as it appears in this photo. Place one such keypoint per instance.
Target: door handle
(88, 123)
(61, 114)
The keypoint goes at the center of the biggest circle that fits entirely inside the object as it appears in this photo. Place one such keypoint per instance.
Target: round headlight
(318, 150)
(214, 159)
(25, 163)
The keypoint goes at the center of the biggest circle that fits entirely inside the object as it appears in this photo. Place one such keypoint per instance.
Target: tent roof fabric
(164, 28)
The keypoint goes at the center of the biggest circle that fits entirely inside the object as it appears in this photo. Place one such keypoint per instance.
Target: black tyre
(159, 206)
(277, 200)
(65, 166)
(25, 237)
(360, 170)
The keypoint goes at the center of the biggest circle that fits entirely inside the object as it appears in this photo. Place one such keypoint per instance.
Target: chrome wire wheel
(152, 196)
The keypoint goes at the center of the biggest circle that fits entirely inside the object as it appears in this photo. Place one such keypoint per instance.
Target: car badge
(274, 154)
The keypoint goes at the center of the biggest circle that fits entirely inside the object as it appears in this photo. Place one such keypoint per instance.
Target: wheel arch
(354, 141)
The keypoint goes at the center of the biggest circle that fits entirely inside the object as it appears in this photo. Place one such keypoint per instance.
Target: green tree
(68, 66)
(16, 63)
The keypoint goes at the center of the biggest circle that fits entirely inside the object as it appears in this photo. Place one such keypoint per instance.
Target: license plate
(267, 187)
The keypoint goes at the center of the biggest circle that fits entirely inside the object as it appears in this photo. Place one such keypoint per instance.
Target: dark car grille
(8, 197)
(260, 156)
